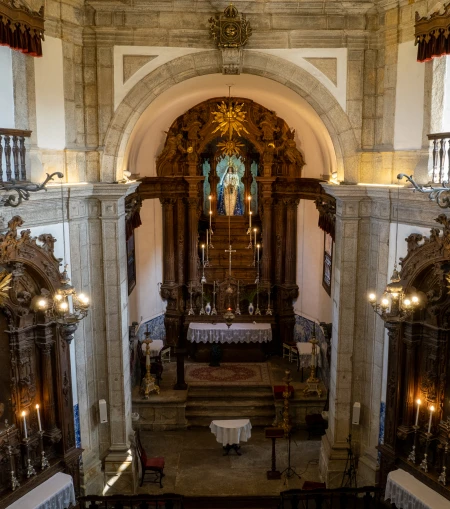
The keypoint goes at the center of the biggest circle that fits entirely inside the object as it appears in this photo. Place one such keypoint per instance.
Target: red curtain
(434, 47)
(132, 223)
(20, 37)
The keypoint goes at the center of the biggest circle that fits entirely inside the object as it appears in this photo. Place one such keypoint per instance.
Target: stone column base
(92, 478)
(120, 473)
(368, 471)
(332, 463)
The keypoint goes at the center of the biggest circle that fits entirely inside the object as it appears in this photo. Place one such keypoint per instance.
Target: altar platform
(217, 394)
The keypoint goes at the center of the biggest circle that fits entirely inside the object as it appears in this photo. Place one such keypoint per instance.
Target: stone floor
(195, 464)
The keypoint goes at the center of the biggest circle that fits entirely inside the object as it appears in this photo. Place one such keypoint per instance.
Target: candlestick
(24, 425)
(254, 231)
(202, 309)
(191, 309)
(431, 416)
(203, 254)
(418, 408)
(214, 310)
(257, 258)
(210, 218)
(39, 417)
(238, 311)
(249, 198)
(207, 248)
(250, 219)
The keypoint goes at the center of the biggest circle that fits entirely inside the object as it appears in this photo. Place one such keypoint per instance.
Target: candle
(210, 198)
(250, 219)
(249, 203)
(431, 416)
(418, 408)
(24, 425)
(214, 287)
(254, 231)
(258, 246)
(207, 238)
(39, 417)
(210, 216)
(203, 254)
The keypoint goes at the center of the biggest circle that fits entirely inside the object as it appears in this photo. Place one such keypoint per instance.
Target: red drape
(20, 37)
(132, 223)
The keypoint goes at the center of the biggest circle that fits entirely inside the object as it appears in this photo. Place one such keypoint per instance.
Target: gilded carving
(230, 29)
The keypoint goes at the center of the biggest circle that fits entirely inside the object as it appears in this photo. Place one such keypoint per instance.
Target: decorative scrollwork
(441, 195)
(23, 190)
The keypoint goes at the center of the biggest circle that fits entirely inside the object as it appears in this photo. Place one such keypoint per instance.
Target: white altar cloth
(407, 492)
(237, 333)
(155, 347)
(304, 352)
(55, 493)
(231, 431)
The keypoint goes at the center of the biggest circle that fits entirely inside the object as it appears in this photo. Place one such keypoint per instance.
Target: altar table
(230, 432)
(237, 333)
(407, 492)
(55, 493)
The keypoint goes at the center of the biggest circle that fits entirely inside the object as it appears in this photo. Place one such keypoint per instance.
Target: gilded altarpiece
(36, 369)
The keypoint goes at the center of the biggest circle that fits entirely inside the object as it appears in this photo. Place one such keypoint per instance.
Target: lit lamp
(229, 317)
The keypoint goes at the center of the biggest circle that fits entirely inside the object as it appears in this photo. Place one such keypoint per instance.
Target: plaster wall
(145, 301)
(313, 301)
(446, 112)
(50, 116)
(409, 106)
(6, 89)
(311, 136)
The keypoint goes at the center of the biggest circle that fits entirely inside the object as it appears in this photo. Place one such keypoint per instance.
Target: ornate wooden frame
(39, 360)
(418, 365)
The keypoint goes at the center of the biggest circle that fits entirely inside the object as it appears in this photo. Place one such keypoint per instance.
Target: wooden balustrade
(12, 155)
(441, 157)
(348, 498)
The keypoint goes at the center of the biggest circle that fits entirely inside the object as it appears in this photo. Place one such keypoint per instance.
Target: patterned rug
(229, 373)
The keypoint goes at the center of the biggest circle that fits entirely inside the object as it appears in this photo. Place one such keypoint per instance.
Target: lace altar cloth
(237, 333)
(55, 493)
(406, 492)
(231, 431)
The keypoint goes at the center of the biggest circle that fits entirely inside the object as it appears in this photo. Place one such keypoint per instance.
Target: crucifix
(229, 261)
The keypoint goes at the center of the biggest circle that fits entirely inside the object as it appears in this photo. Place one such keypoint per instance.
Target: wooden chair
(165, 353)
(154, 466)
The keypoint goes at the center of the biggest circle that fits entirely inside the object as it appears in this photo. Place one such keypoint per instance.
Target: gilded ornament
(230, 29)
(230, 118)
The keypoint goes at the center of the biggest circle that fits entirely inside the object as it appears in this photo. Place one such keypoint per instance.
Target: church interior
(224, 254)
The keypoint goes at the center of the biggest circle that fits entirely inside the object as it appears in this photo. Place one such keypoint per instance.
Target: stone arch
(275, 68)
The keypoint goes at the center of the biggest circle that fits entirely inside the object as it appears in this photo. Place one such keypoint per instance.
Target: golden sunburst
(230, 147)
(5, 279)
(230, 118)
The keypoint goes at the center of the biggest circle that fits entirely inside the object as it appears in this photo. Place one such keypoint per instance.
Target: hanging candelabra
(66, 307)
(191, 291)
(202, 309)
(238, 311)
(269, 309)
(214, 310)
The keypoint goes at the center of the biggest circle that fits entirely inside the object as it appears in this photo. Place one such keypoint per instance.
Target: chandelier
(66, 307)
(395, 305)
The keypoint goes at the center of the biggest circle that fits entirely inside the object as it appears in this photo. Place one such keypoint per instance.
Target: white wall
(404, 230)
(313, 301)
(6, 89)
(50, 119)
(445, 128)
(409, 99)
(145, 300)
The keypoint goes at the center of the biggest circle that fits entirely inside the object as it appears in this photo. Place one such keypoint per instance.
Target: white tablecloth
(304, 352)
(406, 492)
(237, 333)
(231, 431)
(55, 493)
(155, 347)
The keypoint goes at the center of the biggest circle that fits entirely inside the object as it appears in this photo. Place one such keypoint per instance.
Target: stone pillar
(168, 235)
(290, 274)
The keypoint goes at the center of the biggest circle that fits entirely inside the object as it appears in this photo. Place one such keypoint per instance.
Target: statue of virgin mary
(230, 199)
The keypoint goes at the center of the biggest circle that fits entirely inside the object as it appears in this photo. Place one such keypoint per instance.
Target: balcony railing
(441, 157)
(340, 498)
(13, 155)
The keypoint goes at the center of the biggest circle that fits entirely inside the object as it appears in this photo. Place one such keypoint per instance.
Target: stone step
(230, 389)
(230, 412)
(230, 394)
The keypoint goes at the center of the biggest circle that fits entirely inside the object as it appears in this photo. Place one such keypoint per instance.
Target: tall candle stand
(214, 310)
(443, 476)
(253, 264)
(412, 454)
(424, 464)
(30, 469)
(203, 280)
(202, 309)
(237, 310)
(191, 309)
(269, 309)
(148, 383)
(257, 310)
(210, 239)
(44, 461)
(206, 264)
(10, 452)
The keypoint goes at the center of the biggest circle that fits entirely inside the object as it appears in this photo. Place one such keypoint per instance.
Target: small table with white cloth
(407, 492)
(304, 355)
(230, 432)
(54, 493)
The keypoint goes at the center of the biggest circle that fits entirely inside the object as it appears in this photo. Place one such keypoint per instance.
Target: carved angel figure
(174, 144)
